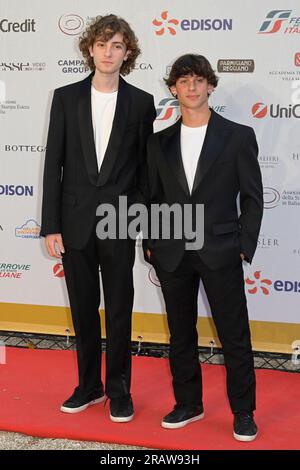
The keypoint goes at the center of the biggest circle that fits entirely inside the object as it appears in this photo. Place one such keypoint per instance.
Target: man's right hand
(54, 245)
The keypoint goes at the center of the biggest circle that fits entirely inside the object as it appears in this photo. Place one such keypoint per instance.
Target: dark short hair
(191, 64)
(105, 27)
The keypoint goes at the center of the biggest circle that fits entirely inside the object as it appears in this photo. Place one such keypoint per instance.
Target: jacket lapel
(214, 143)
(86, 129)
(87, 133)
(117, 131)
(170, 143)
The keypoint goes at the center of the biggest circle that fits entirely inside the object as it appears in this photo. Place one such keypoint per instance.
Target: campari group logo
(280, 20)
(167, 24)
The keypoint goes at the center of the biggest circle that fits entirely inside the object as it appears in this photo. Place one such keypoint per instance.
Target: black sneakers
(78, 402)
(121, 409)
(244, 427)
(182, 415)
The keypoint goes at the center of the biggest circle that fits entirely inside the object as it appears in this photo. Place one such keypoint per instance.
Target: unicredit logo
(58, 270)
(71, 24)
(261, 110)
(26, 26)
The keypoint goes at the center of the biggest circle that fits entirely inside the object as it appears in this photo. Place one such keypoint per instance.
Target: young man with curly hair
(206, 159)
(95, 153)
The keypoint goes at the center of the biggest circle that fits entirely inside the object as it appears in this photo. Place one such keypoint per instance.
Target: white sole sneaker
(65, 409)
(241, 438)
(123, 419)
(182, 423)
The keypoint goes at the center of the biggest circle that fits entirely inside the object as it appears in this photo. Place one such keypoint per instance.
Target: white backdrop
(256, 52)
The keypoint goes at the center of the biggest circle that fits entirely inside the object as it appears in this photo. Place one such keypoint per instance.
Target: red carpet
(33, 384)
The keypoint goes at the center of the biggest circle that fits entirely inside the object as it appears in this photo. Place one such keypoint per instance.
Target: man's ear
(173, 90)
(127, 55)
(91, 51)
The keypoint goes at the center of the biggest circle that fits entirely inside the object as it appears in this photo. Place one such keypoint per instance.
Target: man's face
(192, 91)
(109, 55)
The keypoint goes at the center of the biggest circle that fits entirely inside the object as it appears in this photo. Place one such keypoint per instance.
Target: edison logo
(259, 110)
(164, 24)
(273, 21)
(253, 285)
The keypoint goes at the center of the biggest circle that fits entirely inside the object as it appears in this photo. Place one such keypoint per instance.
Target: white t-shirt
(103, 111)
(191, 140)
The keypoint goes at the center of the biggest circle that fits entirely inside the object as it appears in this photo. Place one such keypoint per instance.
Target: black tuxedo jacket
(73, 187)
(227, 167)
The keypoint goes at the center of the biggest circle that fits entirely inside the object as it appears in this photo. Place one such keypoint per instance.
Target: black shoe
(182, 415)
(121, 409)
(78, 402)
(244, 427)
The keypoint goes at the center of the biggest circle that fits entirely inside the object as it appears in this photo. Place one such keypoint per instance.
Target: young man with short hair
(206, 159)
(95, 153)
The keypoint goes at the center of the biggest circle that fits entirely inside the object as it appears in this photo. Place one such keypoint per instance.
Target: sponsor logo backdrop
(255, 50)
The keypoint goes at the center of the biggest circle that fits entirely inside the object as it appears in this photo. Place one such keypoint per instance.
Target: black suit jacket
(227, 167)
(73, 188)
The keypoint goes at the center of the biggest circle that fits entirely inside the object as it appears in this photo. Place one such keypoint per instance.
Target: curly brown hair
(191, 64)
(105, 27)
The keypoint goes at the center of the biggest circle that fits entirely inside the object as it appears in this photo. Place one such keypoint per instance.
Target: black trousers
(116, 260)
(226, 295)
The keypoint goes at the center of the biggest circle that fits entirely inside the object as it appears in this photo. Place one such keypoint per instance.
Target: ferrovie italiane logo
(280, 21)
(168, 108)
(165, 23)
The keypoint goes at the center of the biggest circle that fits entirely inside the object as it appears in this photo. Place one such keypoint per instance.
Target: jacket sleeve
(145, 130)
(51, 205)
(251, 195)
(153, 193)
